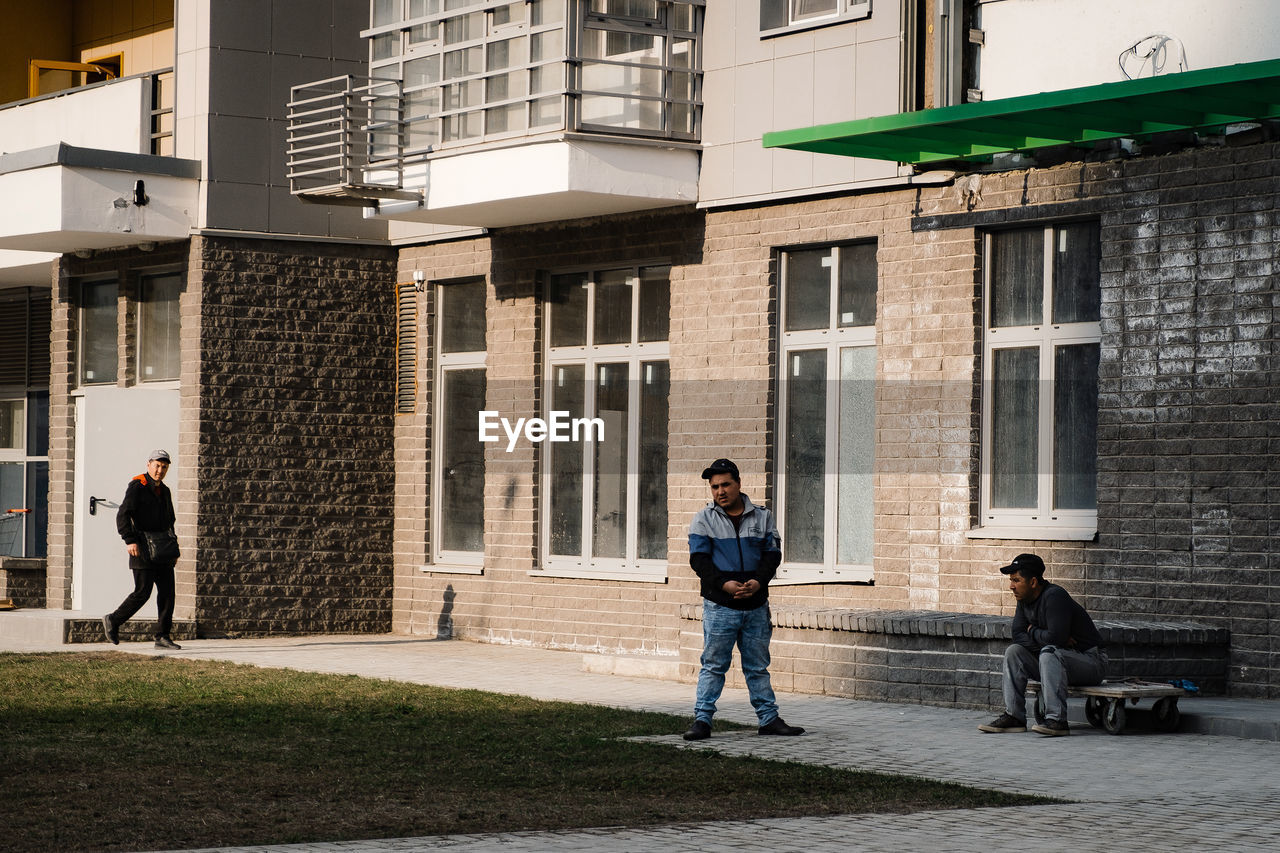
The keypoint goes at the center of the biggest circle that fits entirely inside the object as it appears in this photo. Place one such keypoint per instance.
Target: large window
(99, 339)
(457, 520)
(159, 328)
(473, 71)
(24, 420)
(826, 406)
(1040, 397)
(781, 16)
(605, 487)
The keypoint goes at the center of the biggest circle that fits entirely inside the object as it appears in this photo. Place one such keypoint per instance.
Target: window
(605, 487)
(457, 520)
(98, 336)
(25, 315)
(826, 420)
(781, 16)
(159, 328)
(1040, 381)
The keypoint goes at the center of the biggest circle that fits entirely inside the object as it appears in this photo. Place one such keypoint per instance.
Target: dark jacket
(718, 552)
(1058, 618)
(147, 505)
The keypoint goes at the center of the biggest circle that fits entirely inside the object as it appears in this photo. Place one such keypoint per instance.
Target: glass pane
(1015, 435)
(460, 63)
(421, 72)
(462, 316)
(464, 126)
(462, 462)
(568, 304)
(1076, 295)
(424, 33)
(609, 528)
(634, 47)
(621, 79)
(463, 28)
(385, 12)
(566, 464)
(505, 54)
(546, 45)
(546, 112)
(628, 8)
(655, 388)
(857, 288)
(504, 119)
(802, 10)
(1075, 427)
(546, 78)
(855, 519)
(462, 95)
(612, 308)
(418, 8)
(808, 290)
(98, 332)
(161, 332)
(1017, 277)
(507, 15)
(682, 53)
(386, 45)
(546, 12)
(11, 425)
(806, 431)
(655, 303)
(621, 112)
(38, 423)
(38, 501)
(11, 529)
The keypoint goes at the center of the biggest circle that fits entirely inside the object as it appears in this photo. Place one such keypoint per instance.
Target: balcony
(87, 168)
(504, 114)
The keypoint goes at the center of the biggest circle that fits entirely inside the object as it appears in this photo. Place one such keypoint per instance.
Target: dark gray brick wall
(296, 413)
(1189, 414)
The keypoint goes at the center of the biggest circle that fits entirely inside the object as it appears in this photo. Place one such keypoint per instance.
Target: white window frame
(846, 10)
(444, 561)
(590, 357)
(1043, 521)
(82, 332)
(833, 339)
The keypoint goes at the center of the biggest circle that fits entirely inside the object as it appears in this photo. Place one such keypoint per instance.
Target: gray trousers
(1055, 668)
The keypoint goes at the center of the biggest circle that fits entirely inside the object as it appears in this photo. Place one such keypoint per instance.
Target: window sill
(1087, 533)
(451, 569)
(798, 574)
(631, 574)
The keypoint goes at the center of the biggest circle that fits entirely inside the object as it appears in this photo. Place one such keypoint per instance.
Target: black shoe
(166, 643)
(698, 731)
(1052, 728)
(1004, 723)
(777, 726)
(112, 632)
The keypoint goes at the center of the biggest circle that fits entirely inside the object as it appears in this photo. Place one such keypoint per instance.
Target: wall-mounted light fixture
(419, 280)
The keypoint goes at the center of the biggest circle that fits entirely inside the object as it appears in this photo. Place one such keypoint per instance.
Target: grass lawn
(110, 751)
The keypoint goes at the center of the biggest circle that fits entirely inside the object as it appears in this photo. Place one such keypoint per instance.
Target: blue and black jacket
(718, 552)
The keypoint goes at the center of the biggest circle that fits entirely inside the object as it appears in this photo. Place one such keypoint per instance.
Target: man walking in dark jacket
(1054, 641)
(147, 508)
(735, 550)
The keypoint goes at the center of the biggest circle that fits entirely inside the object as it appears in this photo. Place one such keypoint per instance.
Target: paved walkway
(1138, 792)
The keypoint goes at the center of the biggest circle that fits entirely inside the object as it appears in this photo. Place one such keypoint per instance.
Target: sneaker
(112, 632)
(777, 726)
(1004, 723)
(1052, 728)
(166, 643)
(698, 731)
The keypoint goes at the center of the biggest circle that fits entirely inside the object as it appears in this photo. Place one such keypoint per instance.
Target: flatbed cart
(1104, 705)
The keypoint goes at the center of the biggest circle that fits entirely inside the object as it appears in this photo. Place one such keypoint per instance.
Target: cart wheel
(1166, 714)
(1040, 708)
(1093, 711)
(1113, 716)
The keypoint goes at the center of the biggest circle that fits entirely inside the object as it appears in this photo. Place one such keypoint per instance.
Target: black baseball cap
(720, 466)
(1027, 565)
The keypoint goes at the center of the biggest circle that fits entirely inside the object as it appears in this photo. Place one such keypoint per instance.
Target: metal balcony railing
(346, 141)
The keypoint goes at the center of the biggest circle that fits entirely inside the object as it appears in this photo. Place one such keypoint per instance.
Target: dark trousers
(159, 576)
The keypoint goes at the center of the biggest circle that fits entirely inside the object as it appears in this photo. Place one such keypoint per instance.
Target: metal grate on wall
(406, 347)
(24, 337)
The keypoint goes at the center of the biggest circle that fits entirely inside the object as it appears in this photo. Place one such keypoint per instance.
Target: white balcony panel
(25, 269)
(58, 200)
(548, 181)
(111, 116)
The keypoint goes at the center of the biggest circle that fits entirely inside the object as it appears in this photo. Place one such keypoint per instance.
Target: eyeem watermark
(560, 427)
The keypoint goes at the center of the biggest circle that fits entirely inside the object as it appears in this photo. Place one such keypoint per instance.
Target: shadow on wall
(444, 626)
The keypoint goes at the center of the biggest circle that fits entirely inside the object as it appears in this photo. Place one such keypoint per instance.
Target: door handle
(95, 502)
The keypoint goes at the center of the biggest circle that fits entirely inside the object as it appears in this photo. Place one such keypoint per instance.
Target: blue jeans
(722, 628)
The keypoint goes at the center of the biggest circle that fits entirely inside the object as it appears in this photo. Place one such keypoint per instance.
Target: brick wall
(294, 432)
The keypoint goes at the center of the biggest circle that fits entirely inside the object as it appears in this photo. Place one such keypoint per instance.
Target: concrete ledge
(950, 659)
(635, 666)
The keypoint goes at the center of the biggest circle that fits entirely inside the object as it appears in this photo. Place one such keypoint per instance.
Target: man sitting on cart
(1054, 642)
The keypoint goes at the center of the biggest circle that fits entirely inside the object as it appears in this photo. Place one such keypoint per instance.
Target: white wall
(753, 85)
(109, 117)
(1035, 46)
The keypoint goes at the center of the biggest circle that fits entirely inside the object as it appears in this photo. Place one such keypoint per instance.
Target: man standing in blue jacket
(735, 550)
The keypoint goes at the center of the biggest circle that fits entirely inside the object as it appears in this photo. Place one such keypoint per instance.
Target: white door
(116, 429)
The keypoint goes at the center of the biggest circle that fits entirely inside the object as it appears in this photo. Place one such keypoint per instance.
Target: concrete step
(68, 627)
(666, 667)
